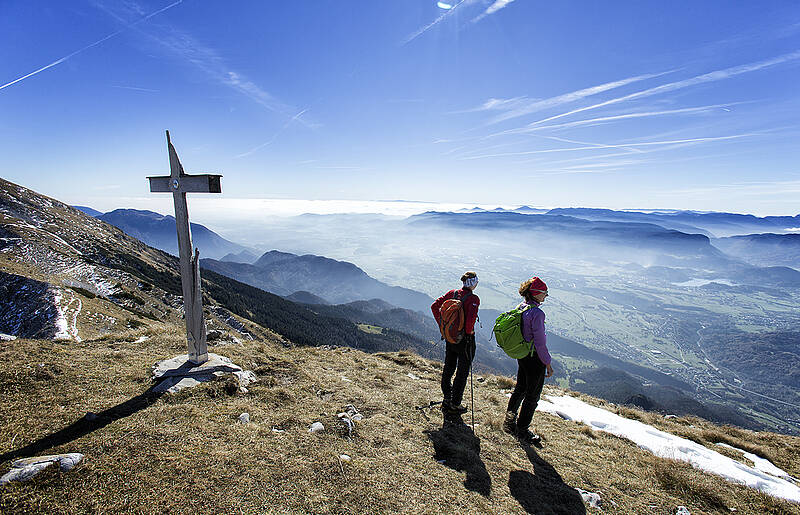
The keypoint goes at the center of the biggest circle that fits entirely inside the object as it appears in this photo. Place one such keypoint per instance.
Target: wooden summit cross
(179, 184)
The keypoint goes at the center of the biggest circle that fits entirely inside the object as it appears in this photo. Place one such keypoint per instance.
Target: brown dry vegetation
(186, 452)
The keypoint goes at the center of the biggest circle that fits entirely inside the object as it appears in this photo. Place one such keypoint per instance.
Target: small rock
(277, 430)
(346, 380)
(682, 510)
(412, 376)
(244, 418)
(243, 390)
(590, 498)
(344, 457)
(90, 417)
(25, 469)
(670, 416)
(316, 427)
(246, 377)
(357, 417)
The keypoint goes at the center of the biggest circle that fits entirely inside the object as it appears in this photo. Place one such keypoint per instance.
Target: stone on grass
(316, 427)
(682, 510)
(349, 417)
(178, 373)
(246, 377)
(590, 498)
(213, 335)
(244, 418)
(26, 468)
(344, 457)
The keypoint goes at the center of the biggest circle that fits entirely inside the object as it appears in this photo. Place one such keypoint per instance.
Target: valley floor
(186, 452)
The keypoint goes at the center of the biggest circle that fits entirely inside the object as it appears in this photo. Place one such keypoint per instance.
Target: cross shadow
(456, 446)
(543, 491)
(84, 426)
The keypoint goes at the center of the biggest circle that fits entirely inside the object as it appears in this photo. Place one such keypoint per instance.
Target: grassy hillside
(186, 452)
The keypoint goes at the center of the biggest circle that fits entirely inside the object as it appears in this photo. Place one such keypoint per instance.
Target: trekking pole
(472, 398)
(472, 391)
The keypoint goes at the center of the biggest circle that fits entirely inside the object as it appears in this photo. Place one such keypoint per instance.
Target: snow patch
(669, 446)
(761, 464)
(66, 322)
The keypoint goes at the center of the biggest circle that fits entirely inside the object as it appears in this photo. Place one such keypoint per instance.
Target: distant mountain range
(245, 256)
(630, 241)
(710, 224)
(337, 282)
(159, 231)
(763, 249)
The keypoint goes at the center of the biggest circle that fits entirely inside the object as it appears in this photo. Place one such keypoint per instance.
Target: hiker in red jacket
(533, 368)
(458, 356)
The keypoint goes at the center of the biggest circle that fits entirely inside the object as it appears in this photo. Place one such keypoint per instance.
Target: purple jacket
(533, 329)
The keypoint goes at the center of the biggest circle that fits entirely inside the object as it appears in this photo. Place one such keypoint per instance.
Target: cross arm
(200, 183)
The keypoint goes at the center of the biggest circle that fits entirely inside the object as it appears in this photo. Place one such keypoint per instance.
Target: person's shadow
(456, 446)
(543, 491)
(84, 425)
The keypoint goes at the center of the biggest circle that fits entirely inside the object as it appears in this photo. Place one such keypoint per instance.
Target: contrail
(700, 79)
(87, 47)
(274, 136)
(418, 33)
(606, 119)
(573, 96)
(619, 145)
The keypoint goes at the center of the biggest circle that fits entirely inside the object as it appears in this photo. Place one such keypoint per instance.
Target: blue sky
(690, 105)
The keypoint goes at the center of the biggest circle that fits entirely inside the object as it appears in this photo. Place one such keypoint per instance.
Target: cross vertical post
(179, 183)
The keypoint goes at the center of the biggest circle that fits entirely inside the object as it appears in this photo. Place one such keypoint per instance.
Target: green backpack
(508, 333)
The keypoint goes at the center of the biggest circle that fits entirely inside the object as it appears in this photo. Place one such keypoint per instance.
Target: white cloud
(615, 118)
(739, 189)
(496, 6)
(594, 146)
(672, 86)
(516, 107)
(183, 46)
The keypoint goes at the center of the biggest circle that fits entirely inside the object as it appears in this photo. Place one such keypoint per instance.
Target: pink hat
(537, 286)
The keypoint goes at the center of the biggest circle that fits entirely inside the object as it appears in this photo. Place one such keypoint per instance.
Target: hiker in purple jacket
(533, 368)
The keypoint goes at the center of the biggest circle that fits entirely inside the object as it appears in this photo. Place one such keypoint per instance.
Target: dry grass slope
(186, 453)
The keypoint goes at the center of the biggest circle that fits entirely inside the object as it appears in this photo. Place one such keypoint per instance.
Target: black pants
(457, 358)
(530, 381)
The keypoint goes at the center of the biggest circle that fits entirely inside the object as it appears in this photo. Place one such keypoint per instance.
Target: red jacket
(469, 303)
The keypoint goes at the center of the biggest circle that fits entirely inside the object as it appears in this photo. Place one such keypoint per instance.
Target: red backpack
(451, 319)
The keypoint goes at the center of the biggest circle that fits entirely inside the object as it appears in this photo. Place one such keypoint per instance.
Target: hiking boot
(525, 437)
(449, 407)
(510, 423)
